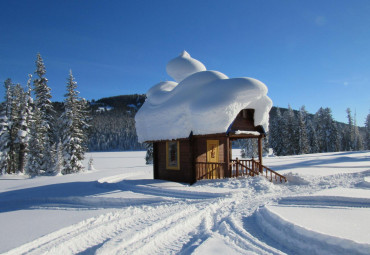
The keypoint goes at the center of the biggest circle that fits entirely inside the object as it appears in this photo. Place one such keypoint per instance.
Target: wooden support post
(237, 167)
(155, 161)
(228, 158)
(260, 152)
(253, 170)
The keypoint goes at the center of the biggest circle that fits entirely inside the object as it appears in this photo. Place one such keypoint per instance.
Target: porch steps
(251, 167)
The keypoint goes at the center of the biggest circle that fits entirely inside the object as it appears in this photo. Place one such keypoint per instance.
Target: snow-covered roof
(200, 101)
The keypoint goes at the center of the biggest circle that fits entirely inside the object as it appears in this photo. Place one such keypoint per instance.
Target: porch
(236, 168)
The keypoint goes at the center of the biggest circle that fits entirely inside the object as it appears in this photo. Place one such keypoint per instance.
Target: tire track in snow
(166, 236)
(94, 231)
(234, 232)
(177, 225)
(326, 201)
(300, 240)
(175, 235)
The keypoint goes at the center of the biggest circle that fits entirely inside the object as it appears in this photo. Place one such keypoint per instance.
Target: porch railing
(251, 167)
(207, 170)
(245, 167)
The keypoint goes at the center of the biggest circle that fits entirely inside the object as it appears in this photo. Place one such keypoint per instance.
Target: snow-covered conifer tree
(367, 132)
(312, 137)
(16, 128)
(4, 141)
(25, 122)
(357, 139)
(276, 139)
(304, 146)
(5, 126)
(34, 161)
(90, 164)
(349, 134)
(327, 130)
(266, 144)
(320, 129)
(59, 158)
(290, 133)
(74, 121)
(250, 148)
(45, 123)
(149, 153)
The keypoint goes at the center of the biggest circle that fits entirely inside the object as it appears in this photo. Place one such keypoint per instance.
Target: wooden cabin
(210, 156)
(193, 120)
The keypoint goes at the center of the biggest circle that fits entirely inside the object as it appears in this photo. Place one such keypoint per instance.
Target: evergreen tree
(59, 158)
(5, 126)
(44, 124)
(74, 138)
(249, 148)
(90, 164)
(14, 122)
(336, 138)
(357, 139)
(266, 144)
(290, 133)
(4, 141)
(24, 127)
(13, 95)
(34, 157)
(327, 131)
(16, 131)
(304, 146)
(276, 139)
(312, 137)
(149, 153)
(319, 119)
(349, 134)
(367, 132)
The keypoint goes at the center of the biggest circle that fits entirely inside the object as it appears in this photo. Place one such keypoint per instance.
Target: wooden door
(213, 157)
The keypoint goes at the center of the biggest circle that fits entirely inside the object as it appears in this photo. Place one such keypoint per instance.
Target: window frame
(168, 147)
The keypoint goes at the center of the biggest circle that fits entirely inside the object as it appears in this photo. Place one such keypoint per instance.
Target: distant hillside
(113, 123)
(123, 102)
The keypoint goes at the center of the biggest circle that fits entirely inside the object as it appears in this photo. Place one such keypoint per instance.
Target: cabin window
(173, 155)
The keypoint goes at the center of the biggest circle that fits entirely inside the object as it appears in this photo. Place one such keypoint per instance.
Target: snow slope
(119, 209)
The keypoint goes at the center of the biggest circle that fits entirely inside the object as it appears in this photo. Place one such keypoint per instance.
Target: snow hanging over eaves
(200, 101)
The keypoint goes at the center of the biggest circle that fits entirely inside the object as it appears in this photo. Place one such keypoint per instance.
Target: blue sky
(312, 53)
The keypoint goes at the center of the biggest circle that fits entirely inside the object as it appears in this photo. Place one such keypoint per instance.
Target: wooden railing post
(253, 164)
(237, 167)
(260, 153)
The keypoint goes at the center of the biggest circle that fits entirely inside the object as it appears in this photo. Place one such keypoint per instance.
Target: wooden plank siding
(184, 174)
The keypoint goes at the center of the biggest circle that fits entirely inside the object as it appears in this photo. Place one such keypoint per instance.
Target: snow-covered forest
(113, 123)
(34, 138)
(298, 132)
(292, 132)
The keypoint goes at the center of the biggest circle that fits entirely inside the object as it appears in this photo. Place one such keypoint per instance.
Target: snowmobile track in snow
(179, 221)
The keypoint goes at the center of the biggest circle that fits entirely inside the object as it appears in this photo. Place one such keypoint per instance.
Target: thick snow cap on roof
(202, 102)
(183, 66)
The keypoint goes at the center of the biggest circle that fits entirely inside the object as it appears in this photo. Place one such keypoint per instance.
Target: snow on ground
(119, 209)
